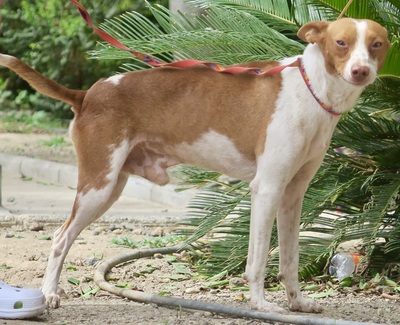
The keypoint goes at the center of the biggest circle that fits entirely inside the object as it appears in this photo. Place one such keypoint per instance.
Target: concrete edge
(145, 220)
(58, 173)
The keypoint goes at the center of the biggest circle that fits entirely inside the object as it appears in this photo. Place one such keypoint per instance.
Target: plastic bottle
(343, 264)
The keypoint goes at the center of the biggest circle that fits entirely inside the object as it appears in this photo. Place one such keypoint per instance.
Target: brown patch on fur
(164, 107)
(68, 222)
(178, 105)
(94, 148)
(376, 33)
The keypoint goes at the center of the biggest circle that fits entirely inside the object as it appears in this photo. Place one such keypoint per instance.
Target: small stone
(137, 231)
(35, 226)
(40, 275)
(33, 258)
(158, 255)
(118, 231)
(128, 227)
(112, 227)
(96, 232)
(157, 232)
(240, 297)
(91, 261)
(9, 235)
(236, 282)
(75, 294)
(192, 290)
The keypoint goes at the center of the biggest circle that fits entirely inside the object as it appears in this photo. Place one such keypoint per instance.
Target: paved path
(45, 191)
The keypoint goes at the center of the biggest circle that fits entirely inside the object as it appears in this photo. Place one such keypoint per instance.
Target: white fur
(216, 152)
(5, 59)
(297, 139)
(298, 135)
(115, 80)
(118, 158)
(332, 90)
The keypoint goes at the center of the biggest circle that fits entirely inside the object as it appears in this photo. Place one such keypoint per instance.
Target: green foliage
(223, 212)
(27, 121)
(150, 242)
(52, 37)
(55, 142)
(226, 36)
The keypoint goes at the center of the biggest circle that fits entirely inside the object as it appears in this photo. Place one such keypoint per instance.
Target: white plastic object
(18, 303)
(342, 265)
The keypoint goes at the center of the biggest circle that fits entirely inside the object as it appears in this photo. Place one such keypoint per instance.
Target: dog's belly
(151, 158)
(216, 152)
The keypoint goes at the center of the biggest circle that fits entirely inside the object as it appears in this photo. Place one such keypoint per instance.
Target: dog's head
(353, 49)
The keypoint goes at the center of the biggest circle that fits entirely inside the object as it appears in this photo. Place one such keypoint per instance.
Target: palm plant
(364, 183)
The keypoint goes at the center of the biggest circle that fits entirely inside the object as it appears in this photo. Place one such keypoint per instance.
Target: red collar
(307, 81)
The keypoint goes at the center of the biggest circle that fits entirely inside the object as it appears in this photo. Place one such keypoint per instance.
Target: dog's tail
(42, 84)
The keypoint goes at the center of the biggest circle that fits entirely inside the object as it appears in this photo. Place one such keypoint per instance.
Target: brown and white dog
(272, 131)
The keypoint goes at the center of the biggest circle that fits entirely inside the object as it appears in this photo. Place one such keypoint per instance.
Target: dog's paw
(268, 307)
(53, 300)
(305, 305)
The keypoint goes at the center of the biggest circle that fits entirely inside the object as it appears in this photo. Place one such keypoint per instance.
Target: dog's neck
(332, 90)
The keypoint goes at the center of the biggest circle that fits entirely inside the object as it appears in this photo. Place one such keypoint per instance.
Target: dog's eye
(341, 43)
(377, 45)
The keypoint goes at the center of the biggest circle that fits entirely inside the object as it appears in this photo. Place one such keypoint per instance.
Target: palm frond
(330, 9)
(275, 14)
(377, 213)
(392, 62)
(225, 36)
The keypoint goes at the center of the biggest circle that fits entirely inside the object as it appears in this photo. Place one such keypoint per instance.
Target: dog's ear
(313, 32)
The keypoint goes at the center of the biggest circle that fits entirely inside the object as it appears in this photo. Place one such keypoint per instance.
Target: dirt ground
(24, 256)
(24, 251)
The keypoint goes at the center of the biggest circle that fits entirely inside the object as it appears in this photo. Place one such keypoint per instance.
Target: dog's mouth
(357, 83)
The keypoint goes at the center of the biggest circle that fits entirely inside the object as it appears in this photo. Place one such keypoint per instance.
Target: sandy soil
(24, 256)
(24, 252)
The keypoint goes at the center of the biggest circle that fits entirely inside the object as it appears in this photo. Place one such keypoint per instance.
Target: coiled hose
(139, 296)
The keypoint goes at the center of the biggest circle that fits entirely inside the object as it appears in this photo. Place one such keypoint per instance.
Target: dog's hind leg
(97, 191)
(288, 220)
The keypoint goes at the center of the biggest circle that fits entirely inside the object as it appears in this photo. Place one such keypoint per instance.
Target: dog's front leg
(288, 220)
(263, 211)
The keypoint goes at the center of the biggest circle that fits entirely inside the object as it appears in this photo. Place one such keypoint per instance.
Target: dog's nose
(359, 72)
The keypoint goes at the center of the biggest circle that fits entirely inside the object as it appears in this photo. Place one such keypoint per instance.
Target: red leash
(179, 64)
